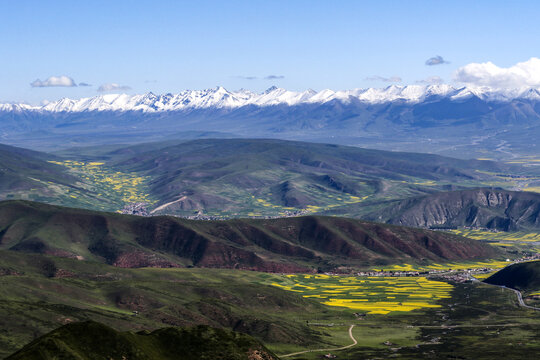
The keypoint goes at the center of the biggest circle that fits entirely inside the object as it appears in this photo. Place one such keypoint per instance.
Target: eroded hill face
(483, 208)
(90, 340)
(297, 244)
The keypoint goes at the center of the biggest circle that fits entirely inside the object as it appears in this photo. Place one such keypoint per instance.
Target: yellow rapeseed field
(374, 295)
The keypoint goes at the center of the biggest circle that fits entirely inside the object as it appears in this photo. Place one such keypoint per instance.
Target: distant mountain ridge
(436, 118)
(220, 97)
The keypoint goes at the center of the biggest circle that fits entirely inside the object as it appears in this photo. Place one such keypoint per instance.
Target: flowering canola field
(115, 186)
(373, 295)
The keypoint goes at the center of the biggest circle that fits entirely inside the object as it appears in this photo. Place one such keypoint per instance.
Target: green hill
(295, 244)
(523, 277)
(38, 293)
(249, 177)
(22, 171)
(94, 341)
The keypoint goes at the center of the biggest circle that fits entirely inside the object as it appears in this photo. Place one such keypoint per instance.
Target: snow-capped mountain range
(222, 98)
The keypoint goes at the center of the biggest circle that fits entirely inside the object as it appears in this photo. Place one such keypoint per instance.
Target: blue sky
(168, 46)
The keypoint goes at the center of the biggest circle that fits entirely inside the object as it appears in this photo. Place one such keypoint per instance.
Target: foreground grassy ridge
(374, 295)
(94, 341)
(39, 293)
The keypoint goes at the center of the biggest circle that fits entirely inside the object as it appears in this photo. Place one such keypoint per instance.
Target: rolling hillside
(39, 293)
(523, 277)
(94, 341)
(484, 208)
(249, 177)
(23, 170)
(297, 244)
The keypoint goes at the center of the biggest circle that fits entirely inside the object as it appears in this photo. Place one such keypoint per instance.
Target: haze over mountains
(435, 118)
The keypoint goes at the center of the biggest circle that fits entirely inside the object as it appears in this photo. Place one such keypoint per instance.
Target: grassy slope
(23, 170)
(266, 177)
(477, 322)
(524, 277)
(279, 245)
(38, 293)
(90, 340)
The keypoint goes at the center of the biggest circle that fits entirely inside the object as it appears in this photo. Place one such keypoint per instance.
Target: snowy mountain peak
(220, 97)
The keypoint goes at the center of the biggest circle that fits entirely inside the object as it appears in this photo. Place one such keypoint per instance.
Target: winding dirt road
(332, 349)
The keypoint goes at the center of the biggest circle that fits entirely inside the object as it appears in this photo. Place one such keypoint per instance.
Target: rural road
(332, 349)
(520, 299)
(518, 293)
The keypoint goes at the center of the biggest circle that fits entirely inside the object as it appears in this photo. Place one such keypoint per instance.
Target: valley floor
(468, 320)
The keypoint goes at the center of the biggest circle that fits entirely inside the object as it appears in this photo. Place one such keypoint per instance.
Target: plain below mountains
(495, 209)
(297, 244)
(90, 340)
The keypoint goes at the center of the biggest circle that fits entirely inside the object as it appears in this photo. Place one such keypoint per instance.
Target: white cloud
(431, 80)
(113, 87)
(63, 80)
(523, 74)
(383, 79)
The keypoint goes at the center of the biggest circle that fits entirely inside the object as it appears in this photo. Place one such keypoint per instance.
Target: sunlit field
(116, 186)
(373, 295)
(493, 264)
(505, 239)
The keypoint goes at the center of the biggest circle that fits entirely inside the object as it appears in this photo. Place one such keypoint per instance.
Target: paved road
(520, 299)
(518, 293)
(333, 349)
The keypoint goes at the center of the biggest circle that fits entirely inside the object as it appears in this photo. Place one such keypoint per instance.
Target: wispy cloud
(54, 81)
(383, 79)
(436, 60)
(268, 77)
(523, 74)
(243, 77)
(84, 84)
(274, 77)
(431, 80)
(113, 87)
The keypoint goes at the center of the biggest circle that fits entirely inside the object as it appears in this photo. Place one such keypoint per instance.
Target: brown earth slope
(277, 245)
